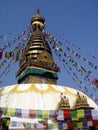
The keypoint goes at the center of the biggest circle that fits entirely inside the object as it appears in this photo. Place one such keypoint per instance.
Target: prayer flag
(32, 113)
(74, 115)
(60, 115)
(60, 126)
(32, 125)
(80, 114)
(69, 126)
(50, 126)
(16, 54)
(80, 125)
(1, 54)
(89, 123)
(84, 124)
(75, 125)
(55, 126)
(95, 123)
(8, 123)
(52, 114)
(0, 121)
(8, 54)
(1, 112)
(66, 114)
(45, 114)
(14, 124)
(11, 111)
(18, 113)
(94, 114)
(65, 126)
(4, 110)
(25, 113)
(28, 125)
(39, 113)
(1, 64)
(88, 115)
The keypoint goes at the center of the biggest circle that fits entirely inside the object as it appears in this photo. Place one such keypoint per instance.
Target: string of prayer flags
(75, 77)
(75, 45)
(56, 41)
(18, 37)
(50, 126)
(88, 116)
(7, 69)
(74, 115)
(54, 126)
(87, 75)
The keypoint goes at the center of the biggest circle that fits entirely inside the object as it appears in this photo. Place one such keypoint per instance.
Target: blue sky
(74, 20)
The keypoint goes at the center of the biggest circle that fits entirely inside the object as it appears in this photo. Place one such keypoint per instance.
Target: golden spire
(36, 62)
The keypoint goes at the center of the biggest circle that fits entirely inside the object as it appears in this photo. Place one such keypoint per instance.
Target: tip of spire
(38, 11)
(38, 17)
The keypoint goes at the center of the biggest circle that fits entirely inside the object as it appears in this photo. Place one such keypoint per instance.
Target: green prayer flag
(39, 113)
(74, 115)
(4, 111)
(28, 125)
(75, 125)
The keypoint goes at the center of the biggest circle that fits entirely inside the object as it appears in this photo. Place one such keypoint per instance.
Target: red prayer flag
(32, 113)
(1, 53)
(45, 126)
(95, 123)
(66, 114)
(69, 126)
(95, 81)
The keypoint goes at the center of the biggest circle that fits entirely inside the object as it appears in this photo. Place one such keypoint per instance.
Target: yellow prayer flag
(11, 112)
(55, 126)
(8, 123)
(45, 114)
(80, 113)
(32, 125)
(80, 125)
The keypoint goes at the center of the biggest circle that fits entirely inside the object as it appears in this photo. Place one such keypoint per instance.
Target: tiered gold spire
(36, 63)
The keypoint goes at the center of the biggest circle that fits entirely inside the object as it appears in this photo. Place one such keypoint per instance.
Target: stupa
(37, 102)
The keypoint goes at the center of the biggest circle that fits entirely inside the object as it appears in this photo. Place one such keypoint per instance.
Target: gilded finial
(38, 19)
(38, 12)
(81, 101)
(63, 103)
